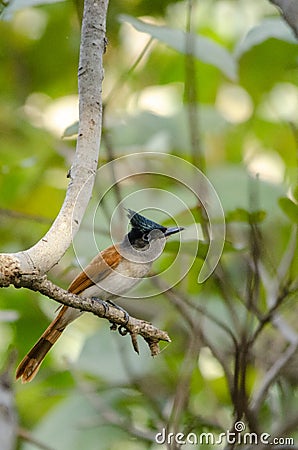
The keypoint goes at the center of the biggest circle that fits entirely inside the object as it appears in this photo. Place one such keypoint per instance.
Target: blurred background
(225, 100)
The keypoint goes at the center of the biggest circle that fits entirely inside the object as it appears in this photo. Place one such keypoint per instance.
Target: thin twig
(271, 376)
(287, 427)
(111, 157)
(191, 94)
(176, 298)
(24, 216)
(181, 302)
(13, 214)
(119, 83)
(182, 397)
(276, 287)
(141, 385)
(27, 436)
(109, 415)
(228, 293)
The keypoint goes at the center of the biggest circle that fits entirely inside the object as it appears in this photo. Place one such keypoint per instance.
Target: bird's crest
(142, 223)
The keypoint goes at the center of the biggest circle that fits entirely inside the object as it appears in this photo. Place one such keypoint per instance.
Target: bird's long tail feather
(28, 367)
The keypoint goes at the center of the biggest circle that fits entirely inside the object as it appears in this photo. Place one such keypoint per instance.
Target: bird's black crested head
(142, 223)
(141, 227)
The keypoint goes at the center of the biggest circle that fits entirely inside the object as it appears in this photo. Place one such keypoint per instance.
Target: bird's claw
(122, 330)
(103, 303)
(106, 305)
(126, 315)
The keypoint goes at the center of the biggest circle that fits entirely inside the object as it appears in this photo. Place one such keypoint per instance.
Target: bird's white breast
(119, 281)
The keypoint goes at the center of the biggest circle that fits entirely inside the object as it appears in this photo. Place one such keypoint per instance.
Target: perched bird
(109, 275)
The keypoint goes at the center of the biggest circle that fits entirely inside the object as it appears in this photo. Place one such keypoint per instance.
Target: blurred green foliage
(92, 391)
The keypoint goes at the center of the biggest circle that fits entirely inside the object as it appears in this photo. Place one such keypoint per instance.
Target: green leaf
(232, 183)
(187, 217)
(16, 5)
(71, 130)
(242, 215)
(295, 193)
(267, 29)
(138, 129)
(188, 248)
(203, 48)
(289, 208)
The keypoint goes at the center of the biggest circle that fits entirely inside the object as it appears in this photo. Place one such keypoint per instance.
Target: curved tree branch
(27, 268)
(48, 251)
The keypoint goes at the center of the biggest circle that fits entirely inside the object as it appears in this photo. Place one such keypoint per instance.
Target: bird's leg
(102, 302)
(126, 315)
(106, 304)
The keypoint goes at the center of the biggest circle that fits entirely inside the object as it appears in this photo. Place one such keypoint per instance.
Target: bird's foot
(126, 315)
(106, 304)
(102, 302)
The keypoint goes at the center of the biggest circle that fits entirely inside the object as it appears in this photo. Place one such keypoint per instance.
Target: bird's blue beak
(173, 230)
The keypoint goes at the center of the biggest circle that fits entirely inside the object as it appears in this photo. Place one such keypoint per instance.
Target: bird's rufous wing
(97, 270)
